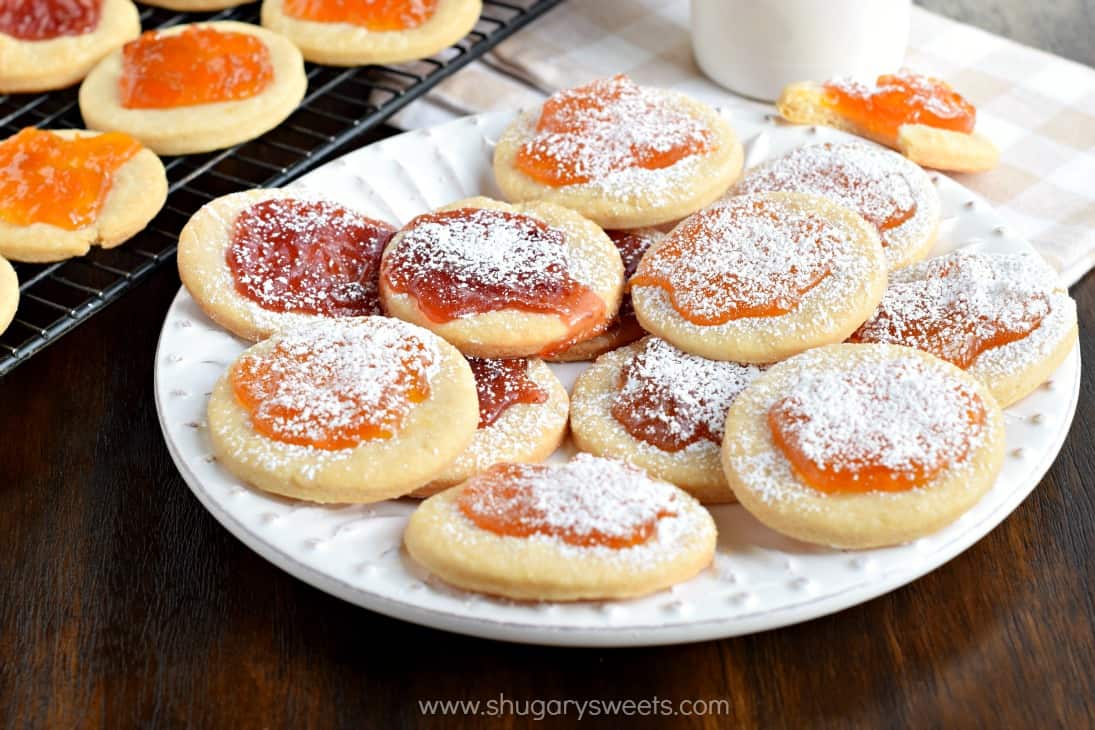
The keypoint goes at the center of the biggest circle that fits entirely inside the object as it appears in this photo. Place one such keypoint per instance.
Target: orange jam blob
(866, 179)
(200, 65)
(671, 400)
(961, 305)
(901, 98)
(587, 502)
(43, 20)
(878, 426)
(335, 383)
(373, 15)
(310, 257)
(45, 178)
(609, 126)
(749, 256)
(501, 384)
(474, 260)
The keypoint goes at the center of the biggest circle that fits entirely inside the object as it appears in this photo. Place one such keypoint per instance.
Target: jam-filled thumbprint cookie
(194, 6)
(9, 294)
(63, 191)
(195, 88)
(623, 155)
(503, 281)
(893, 194)
(758, 278)
(858, 446)
(661, 409)
(589, 529)
(1004, 318)
(921, 117)
(260, 261)
(340, 33)
(522, 419)
(625, 329)
(51, 44)
(357, 409)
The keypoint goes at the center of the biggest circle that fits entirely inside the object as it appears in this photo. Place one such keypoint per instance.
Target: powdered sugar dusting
(898, 414)
(590, 495)
(892, 193)
(671, 396)
(947, 304)
(746, 253)
(481, 250)
(323, 378)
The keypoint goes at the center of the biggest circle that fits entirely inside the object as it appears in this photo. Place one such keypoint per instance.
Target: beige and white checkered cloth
(1039, 108)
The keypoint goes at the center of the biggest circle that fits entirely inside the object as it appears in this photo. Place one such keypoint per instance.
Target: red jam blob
(501, 384)
(200, 65)
(901, 98)
(671, 400)
(963, 306)
(45, 178)
(586, 502)
(44, 20)
(373, 15)
(607, 126)
(332, 389)
(887, 432)
(308, 257)
(473, 260)
(745, 258)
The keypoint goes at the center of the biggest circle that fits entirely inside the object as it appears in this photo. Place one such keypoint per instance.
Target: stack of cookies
(776, 339)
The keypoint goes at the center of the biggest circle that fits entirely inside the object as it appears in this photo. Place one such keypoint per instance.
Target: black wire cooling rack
(341, 104)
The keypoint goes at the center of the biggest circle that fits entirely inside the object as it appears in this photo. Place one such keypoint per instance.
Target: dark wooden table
(123, 603)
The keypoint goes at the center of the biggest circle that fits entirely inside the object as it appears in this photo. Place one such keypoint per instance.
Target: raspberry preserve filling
(44, 20)
(309, 257)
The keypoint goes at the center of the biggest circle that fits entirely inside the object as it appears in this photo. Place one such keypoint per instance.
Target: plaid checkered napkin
(1038, 108)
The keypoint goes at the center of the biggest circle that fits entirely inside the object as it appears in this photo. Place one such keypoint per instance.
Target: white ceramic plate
(759, 580)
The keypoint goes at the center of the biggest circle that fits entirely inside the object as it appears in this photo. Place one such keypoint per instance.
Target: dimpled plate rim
(758, 581)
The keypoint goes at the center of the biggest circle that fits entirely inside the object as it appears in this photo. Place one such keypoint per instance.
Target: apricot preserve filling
(959, 306)
(45, 178)
(199, 65)
(745, 258)
(311, 257)
(858, 177)
(44, 20)
(334, 384)
(587, 502)
(472, 260)
(901, 98)
(671, 400)
(884, 426)
(501, 384)
(605, 127)
(374, 15)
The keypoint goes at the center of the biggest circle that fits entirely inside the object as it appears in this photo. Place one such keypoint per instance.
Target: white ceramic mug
(756, 47)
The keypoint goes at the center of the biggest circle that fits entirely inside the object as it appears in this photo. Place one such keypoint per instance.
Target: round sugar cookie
(357, 409)
(341, 43)
(522, 419)
(500, 280)
(9, 294)
(758, 278)
(30, 63)
(900, 442)
(661, 409)
(588, 529)
(136, 192)
(202, 127)
(893, 194)
(586, 159)
(625, 329)
(260, 261)
(1004, 318)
